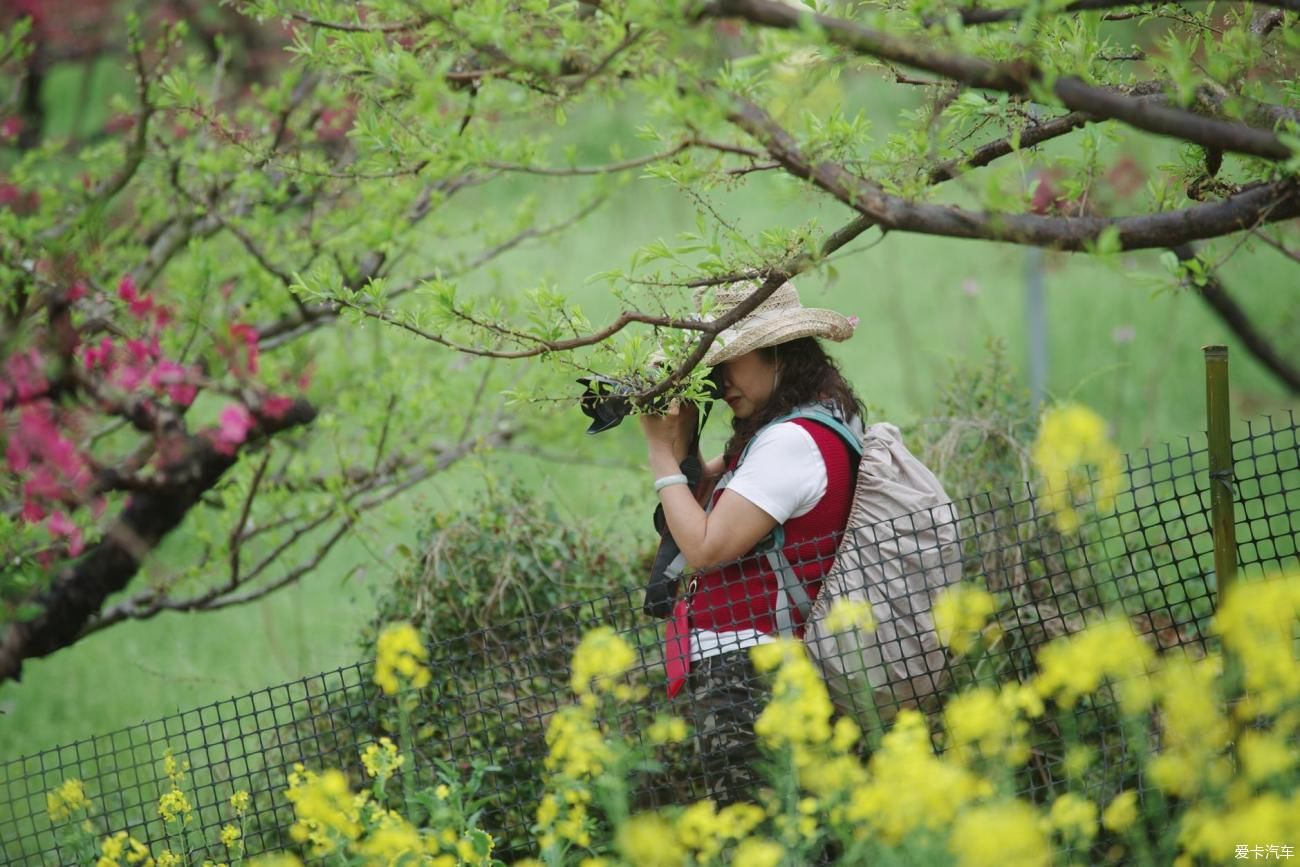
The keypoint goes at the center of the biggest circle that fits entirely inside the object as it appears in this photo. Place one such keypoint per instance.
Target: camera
(607, 401)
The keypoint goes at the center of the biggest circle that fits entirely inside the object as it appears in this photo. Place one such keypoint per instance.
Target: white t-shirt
(784, 475)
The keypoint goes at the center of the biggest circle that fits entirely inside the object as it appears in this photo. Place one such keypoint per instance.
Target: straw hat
(781, 317)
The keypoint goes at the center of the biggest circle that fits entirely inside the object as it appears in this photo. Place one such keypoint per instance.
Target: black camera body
(607, 401)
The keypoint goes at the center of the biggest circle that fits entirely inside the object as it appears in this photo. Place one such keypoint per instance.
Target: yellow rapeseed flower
(960, 614)
(1257, 622)
(68, 798)
(1195, 729)
(278, 859)
(326, 811)
(239, 802)
(168, 858)
(1075, 665)
(175, 770)
(399, 659)
(647, 840)
(667, 730)
(758, 852)
(381, 759)
(799, 712)
(175, 805)
(577, 747)
(848, 614)
(978, 725)
(1074, 816)
(1121, 812)
(700, 830)
(1070, 439)
(390, 844)
(602, 657)
(908, 787)
(230, 836)
(1264, 755)
(1007, 834)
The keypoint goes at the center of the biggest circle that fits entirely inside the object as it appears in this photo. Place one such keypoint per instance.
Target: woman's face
(747, 383)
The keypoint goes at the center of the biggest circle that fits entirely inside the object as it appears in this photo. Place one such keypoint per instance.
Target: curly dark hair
(806, 374)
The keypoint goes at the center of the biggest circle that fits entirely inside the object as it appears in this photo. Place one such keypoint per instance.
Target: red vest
(742, 595)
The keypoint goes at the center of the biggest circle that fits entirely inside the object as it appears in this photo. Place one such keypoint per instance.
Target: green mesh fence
(494, 690)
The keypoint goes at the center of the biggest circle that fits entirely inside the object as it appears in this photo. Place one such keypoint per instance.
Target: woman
(796, 475)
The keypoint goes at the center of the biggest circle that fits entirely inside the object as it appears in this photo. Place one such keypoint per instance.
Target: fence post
(1221, 475)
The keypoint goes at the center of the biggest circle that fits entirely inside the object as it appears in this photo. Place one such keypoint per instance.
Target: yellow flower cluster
(122, 848)
(1070, 439)
(326, 812)
(848, 614)
(909, 788)
(1074, 666)
(960, 614)
(704, 830)
(577, 748)
(799, 713)
(602, 658)
(330, 820)
(667, 730)
(174, 806)
(1257, 621)
(985, 724)
(399, 659)
(240, 801)
(1195, 728)
(68, 798)
(1002, 834)
(381, 759)
(230, 836)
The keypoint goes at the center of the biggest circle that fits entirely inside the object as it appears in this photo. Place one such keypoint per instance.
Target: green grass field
(922, 302)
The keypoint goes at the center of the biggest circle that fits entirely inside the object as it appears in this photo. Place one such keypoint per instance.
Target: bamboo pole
(1221, 474)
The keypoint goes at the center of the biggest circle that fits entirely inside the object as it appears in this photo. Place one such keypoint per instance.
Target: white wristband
(678, 479)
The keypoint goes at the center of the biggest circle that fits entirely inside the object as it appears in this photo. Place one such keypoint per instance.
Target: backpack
(900, 549)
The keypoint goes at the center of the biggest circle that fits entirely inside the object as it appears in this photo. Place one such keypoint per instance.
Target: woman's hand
(668, 436)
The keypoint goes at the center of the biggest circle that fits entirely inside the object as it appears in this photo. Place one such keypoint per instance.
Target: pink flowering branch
(80, 588)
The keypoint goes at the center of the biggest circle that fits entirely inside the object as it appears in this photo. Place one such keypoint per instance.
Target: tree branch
(974, 16)
(1261, 204)
(1015, 78)
(1216, 297)
(146, 605)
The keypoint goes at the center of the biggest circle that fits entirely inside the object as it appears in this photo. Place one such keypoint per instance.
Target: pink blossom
(26, 370)
(182, 394)
(32, 512)
(129, 377)
(42, 484)
(76, 291)
(235, 423)
(17, 455)
(141, 306)
(140, 351)
(162, 315)
(126, 290)
(61, 526)
(10, 127)
(276, 405)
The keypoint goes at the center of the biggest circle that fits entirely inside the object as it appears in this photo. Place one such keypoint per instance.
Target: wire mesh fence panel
(1148, 554)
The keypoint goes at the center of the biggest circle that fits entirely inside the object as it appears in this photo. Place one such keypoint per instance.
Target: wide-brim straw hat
(780, 318)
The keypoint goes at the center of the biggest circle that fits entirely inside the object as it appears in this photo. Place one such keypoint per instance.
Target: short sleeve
(783, 473)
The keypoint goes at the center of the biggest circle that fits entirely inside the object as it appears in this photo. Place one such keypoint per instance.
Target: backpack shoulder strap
(819, 413)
